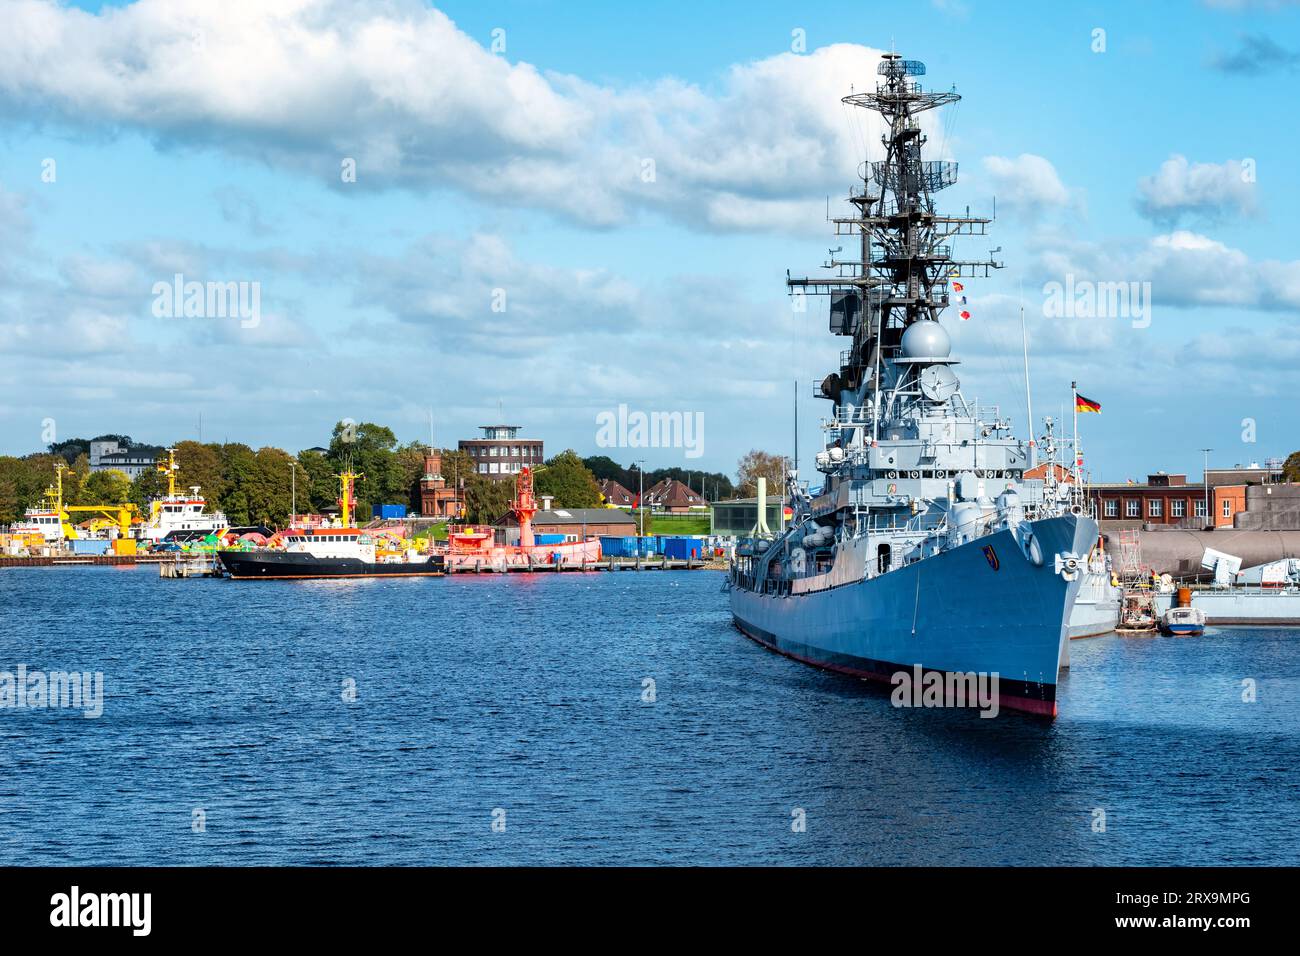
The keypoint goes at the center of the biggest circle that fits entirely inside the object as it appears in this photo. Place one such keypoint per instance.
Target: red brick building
(501, 453)
(438, 498)
(576, 524)
(1169, 500)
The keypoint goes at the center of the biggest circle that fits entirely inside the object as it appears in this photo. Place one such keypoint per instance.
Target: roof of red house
(614, 493)
(671, 493)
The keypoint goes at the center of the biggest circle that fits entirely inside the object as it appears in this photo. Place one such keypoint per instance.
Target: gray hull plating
(982, 607)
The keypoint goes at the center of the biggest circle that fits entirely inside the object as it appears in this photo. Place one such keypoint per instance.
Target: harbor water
(601, 718)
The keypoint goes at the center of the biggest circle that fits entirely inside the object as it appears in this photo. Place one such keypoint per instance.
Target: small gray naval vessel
(926, 550)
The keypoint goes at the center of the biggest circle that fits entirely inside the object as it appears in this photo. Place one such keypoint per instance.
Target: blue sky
(207, 140)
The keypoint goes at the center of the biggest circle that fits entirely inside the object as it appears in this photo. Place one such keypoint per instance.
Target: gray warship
(925, 550)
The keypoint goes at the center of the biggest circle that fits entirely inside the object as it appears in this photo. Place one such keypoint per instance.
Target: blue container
(90, 545)
(682, 548)
(549, 538)
(619, 547)
(630, 547)
(388, 512)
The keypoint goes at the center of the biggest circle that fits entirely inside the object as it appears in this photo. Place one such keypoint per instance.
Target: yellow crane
(123, 515)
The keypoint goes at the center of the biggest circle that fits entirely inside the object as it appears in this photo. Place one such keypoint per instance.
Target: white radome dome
(926, 339)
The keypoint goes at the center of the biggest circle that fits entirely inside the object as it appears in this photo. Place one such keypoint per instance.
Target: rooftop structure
(1249, 474)
(133, 462)
(501, 453)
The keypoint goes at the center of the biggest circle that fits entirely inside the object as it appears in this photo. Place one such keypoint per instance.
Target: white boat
(1096, 609)
(45, 518)
(1184, 621)
(180, 512)
(344, 552)
(41, 520)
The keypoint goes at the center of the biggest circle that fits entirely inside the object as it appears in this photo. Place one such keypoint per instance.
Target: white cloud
(1027, 183)
(1207, 190)
(1185, 269)
(419, 104)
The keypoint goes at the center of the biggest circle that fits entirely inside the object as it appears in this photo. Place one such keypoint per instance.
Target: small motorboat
(1183, 621)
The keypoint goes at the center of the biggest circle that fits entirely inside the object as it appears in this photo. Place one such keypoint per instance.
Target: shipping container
(90, 545)
(683, 548)
(630, 547)
(388, 512)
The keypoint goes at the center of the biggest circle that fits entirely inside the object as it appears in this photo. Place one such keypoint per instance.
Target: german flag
(1082, 404)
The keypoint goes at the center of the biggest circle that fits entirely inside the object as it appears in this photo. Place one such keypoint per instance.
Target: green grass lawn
(677, 524)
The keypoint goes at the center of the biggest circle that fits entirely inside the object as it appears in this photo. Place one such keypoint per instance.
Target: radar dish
(938, 383)
(893, 64)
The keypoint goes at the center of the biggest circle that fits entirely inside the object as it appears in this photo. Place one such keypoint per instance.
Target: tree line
(714, 485)
(256, 486)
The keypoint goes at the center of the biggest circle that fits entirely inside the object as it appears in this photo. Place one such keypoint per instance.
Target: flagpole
(1074, 387)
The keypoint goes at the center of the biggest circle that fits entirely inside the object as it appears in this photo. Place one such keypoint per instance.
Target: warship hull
(982, 607)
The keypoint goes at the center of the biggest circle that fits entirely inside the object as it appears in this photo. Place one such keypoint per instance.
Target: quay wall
(1178, 551)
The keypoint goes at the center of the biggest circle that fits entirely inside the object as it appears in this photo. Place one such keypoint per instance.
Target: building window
(1156, 507)
(482, 469)
(1132, 508)
(1199, 507)
(1112, 508)
(1227, 508)
(1177, 508)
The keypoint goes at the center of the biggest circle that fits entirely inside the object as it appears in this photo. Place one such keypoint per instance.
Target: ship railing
(987, 414)
(849, 415)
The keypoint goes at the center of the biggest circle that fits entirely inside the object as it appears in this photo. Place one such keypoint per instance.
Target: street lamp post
(1205, 478)
(640, 483)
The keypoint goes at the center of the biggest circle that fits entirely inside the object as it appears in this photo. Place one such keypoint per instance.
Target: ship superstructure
(179, 512)
(47, 519)
(925, 545)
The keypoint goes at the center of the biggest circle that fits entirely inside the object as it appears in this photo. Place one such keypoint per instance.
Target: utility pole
(1205, 479)
(640, 479)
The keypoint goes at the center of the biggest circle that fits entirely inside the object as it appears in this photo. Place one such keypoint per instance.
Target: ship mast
(170, 470)
(347, 500)
(905, 260)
